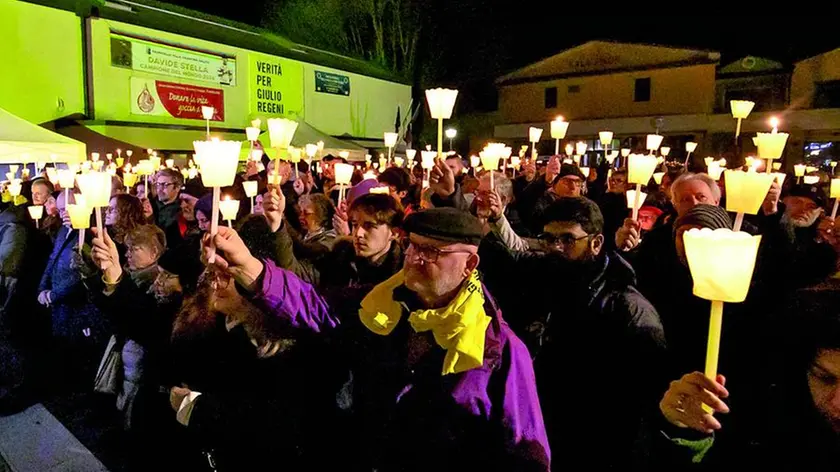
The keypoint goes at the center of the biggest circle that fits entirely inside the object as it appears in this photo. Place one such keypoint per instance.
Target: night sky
(469, 43)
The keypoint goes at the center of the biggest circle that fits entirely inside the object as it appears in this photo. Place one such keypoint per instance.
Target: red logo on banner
(185, 101)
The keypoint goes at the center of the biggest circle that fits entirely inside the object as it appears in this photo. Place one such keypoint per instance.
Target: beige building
(634, 90)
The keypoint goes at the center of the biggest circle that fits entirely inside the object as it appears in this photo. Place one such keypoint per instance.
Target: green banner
(275, 86)
(336, 84)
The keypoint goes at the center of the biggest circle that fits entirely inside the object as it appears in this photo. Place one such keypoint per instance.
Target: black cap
(445, 224)
(814, 192)
(705, 216)
(570, 169)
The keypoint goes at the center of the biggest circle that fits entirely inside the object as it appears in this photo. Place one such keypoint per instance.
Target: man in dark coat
(167, 205)
(79, 332)
(590, 315)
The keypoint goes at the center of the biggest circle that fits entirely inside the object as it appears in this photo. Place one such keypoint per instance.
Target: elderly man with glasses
(167, 205)
(594, 330)
(440, 382)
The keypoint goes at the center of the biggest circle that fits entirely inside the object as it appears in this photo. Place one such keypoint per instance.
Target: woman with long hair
(123, 215)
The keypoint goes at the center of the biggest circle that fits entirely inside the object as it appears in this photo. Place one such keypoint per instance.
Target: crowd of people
(453, 320)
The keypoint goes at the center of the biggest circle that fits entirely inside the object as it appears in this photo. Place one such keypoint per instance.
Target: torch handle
(81, 239)
(737, 130)
(556, 147)
(440, 139)
(492, 185)
(98, 212)
(638, 196)
(713, 345)
(739, 220)
(214, 224)
(252, 205)
(834, 211)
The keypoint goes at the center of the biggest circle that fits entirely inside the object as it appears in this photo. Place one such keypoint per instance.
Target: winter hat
(704, 216)
(361, 188)
(570, 169)
(814, 192)
(445, 224)
(205, 205)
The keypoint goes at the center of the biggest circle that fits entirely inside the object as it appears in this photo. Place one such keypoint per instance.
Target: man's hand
(251, 169)
(176, 397)
(341, 223)
(274, 204)
(495, 205)
(827, 231)
(628, 236)
(232, 255)
(683, 403)
(106, 256)
(442, 179)
(45, 298)
(770, 206)
(299, 186)
(529, 170)
(552, 170)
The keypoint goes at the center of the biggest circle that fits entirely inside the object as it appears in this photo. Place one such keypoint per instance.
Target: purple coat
(407, 415)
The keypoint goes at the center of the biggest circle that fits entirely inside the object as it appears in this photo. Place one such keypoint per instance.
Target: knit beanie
(704, 216)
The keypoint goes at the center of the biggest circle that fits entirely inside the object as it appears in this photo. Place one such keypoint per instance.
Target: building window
(827, 94)
(551, 97)
(574, 89)
(642, 91)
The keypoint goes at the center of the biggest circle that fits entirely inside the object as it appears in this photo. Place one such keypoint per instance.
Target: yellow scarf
(459, 327)
(8, 198)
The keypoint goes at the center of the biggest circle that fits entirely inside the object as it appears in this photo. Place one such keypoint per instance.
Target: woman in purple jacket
(439, 382)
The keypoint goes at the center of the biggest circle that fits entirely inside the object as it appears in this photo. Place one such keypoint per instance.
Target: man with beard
(808, 231)
(593, 316)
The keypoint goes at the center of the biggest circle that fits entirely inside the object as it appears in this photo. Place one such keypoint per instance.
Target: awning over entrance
(19, 137)
(106, 137)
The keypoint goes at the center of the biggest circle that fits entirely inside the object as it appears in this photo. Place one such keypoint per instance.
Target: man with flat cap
(440, 382)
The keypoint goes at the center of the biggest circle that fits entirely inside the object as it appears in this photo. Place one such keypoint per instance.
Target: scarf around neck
(459, 328)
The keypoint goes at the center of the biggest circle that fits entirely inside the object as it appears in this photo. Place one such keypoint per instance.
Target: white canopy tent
(20, 139)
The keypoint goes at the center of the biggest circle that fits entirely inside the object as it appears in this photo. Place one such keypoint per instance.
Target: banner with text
(336, 84)
(163, 59)
(157, 98)
(275, 86)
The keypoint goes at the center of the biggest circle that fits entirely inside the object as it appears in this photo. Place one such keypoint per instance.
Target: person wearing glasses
(167, 205)
(568, 183)
(439, 379)
(582, 303)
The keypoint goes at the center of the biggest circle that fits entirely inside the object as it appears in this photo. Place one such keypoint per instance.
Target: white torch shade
(715, 170)
(580, 148)
(111, 170)
(186, 173)
(745, 191)
(490, 160)
(15, 187)
(96, 188)
(194, 172)
(611, 158)
(612, 154)
(410, 154)
(129, 153)
(155, 160)
(625, 152)
(170, 163)
(441, 102)
(534, 134)
(368, 157)
(569, 148)
(559, 127)
(10, 176)
(250, 187)
(320, 145)
(721, 262)
(399, 161)
(799, 170)
(771, 145)
(585, 171)
(97, 166)
(281, 131)
(708, 160)
(576, 159)
(52, 175)
(208, 112)
(741, 108)
(475, 161)
(144, 167)
(515, 162)
(85, 166)
(311, 150)
(382, 190)
(256, 123)
(369, 175)
(94, 156)
(833, 164)
(36, 212)
(427, 159)
(605, 137)
(450, 133)
(631, 198)
(120, 161)
(79, 214)
(690, 146)
(660, 160)
(568, 161)
(229, 208)
(811, 179)
(343, 173)
(809, 169)
(780, 177)
(640, 168)
(383, 163)
(217, 161)
(654, 141)
(66, 178)
(665, 150)
(835, 188)
(252, 133)
(295, 154)
(391, 139)
(344, 154)
(657, 177)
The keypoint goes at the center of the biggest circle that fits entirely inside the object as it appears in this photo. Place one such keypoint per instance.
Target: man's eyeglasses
(559, 240)
(426, 253)
(164, 184)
